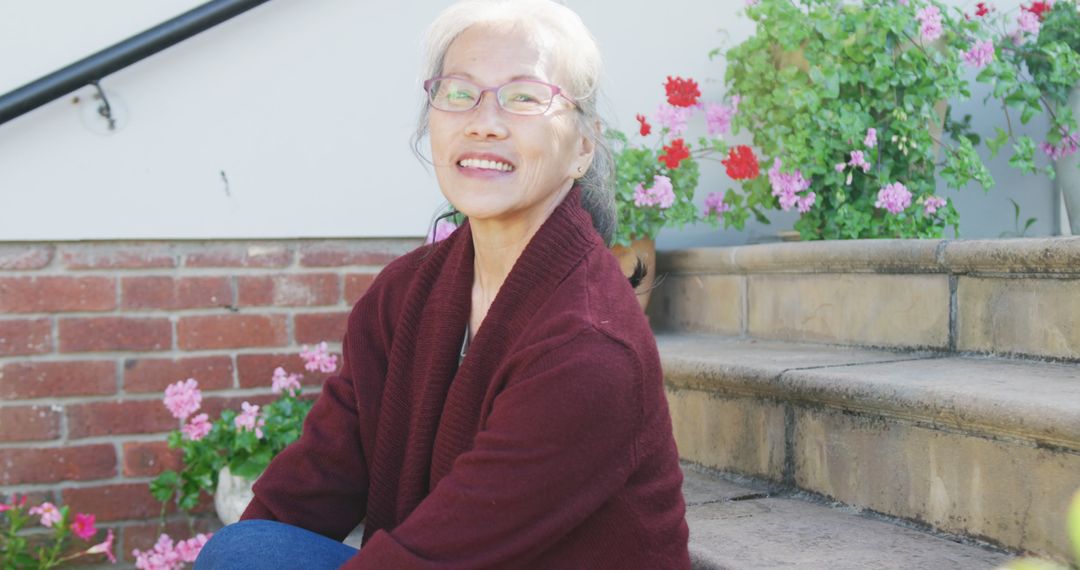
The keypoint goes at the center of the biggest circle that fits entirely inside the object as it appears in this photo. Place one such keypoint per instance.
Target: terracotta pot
(232, 496)
(645, 250)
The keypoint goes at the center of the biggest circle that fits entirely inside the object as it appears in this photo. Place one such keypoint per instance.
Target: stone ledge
(993, 397)
(745, 528)
(1053, 256)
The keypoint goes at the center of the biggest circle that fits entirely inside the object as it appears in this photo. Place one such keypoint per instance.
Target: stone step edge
(974, 414)
(765, 488)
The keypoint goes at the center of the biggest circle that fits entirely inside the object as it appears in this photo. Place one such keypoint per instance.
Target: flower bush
(15, 550)
(847, 105)
(657, 174)
(244, 442)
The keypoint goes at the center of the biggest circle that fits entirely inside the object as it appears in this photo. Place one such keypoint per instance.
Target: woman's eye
(460, 95)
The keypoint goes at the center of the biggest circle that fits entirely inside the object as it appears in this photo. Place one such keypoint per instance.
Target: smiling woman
(501, 402)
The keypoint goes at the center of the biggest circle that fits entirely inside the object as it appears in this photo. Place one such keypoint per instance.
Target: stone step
(736, 527)
(977, 446)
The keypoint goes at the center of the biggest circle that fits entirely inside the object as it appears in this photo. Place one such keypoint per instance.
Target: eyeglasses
(520, 97)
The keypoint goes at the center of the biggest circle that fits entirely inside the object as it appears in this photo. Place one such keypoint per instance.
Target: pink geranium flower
(871, 138)
(931, 204)
(249, 420)
(930, 20)
(183, 398)
(980, 55)
(282, 382)
(189, 549)
(198, 428)
(894, 197)
(163, 557)
(673, 118)
(318, 358)
(714, 204)
(661, 194)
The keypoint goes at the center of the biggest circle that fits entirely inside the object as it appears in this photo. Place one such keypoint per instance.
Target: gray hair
(577, 58)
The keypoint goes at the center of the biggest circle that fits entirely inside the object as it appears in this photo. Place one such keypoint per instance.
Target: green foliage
(639, 165)
(817, 74)
(245, 454)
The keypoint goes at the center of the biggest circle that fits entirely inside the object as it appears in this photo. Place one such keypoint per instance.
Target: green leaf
(997, 142)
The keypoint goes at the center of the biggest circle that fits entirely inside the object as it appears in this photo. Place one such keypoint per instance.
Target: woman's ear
(588, 147)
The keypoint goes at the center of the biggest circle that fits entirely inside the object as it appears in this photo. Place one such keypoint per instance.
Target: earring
(580, 170)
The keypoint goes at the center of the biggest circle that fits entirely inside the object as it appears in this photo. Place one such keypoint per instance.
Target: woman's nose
(486, 120)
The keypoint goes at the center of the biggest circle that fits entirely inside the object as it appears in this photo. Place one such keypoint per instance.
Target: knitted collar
(431, 408)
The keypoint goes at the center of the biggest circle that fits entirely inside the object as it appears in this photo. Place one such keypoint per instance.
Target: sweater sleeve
(558, 444)
(320, 481)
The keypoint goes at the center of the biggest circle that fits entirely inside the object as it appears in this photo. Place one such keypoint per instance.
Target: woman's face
(543, 151)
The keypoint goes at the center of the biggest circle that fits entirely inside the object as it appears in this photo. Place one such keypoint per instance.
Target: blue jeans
(254, 544)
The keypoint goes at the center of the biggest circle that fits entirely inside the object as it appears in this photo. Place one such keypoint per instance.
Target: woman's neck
(497, 244)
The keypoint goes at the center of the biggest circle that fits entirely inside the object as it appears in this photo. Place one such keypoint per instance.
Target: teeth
(486, 164)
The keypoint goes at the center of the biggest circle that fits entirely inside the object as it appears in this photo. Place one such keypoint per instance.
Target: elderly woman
(501, 401)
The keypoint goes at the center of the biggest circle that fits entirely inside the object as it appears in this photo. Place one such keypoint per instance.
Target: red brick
(240, 255)
(160, 292)
(25, 256)
(117, 256)
(48, 465)
(56, 293)
(154, 374)
(337, 254)
(25, 336)
(257, 370)
(150, 458)
(313, 328)
(124, 501)
(356, 284)
(114, 333)
(29, 423)
(119, 417)
(143, 536)
(57, 379)
(288, 290)
(231, 331)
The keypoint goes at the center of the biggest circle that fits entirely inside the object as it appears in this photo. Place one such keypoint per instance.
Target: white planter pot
(232, 496)
(1067, 171)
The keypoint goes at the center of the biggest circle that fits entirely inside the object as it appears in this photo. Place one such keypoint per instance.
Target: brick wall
(92, 333)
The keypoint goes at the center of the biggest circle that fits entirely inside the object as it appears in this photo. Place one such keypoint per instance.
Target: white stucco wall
(307, 108)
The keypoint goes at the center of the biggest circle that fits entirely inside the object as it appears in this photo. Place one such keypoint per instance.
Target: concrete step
(736, 526)
(977, 446)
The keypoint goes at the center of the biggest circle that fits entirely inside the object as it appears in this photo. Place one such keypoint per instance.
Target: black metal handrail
(111, 59)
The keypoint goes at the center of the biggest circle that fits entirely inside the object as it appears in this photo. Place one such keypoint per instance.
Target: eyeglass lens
(518, 97)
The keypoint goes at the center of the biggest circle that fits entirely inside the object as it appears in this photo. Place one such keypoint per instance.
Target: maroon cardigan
(549, 447)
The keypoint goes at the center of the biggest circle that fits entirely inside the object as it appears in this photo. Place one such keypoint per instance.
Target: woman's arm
(320, 482)
(559, 443)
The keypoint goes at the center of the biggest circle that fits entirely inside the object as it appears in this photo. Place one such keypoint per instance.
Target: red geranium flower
(1038, 8)
(741, 163)
(674, 154)
(981, 9)
(681, 92)
(646, 128)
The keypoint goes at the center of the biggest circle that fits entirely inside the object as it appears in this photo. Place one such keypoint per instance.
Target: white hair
(574, 55)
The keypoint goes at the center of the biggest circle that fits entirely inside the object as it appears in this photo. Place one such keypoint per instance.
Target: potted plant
(844, 99)
(656, 174)
(226, 456)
